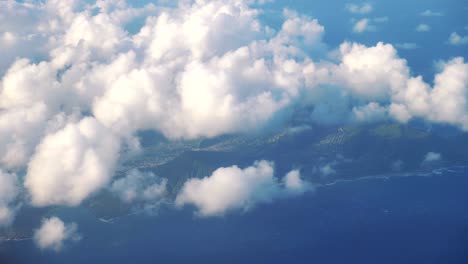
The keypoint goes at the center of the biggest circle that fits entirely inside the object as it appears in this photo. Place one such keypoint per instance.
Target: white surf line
(113, 219)
(3, 239)
(435, 172)
(135, 212)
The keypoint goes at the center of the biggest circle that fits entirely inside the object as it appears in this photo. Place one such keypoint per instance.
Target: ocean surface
(408, 219)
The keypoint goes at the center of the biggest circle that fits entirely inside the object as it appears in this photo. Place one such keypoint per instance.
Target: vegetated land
(347, 151)
(323, 155)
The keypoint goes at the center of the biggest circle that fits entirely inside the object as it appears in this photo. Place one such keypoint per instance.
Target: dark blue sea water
(396, 220)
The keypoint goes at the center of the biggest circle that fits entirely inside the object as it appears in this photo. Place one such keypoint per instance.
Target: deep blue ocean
(413, 219)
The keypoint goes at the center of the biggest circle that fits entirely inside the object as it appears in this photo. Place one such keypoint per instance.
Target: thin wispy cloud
(381, 19)
(367, 24)
(430, 13)
(423, 28)
(432, 156)
(364, 8)
(362, 25)
(407, 45)
(457, 40)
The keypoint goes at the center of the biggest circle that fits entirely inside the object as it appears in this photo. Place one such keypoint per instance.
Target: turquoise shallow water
(371, 220)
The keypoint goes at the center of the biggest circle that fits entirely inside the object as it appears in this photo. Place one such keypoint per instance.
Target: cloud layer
(77, 84)
(364, 8)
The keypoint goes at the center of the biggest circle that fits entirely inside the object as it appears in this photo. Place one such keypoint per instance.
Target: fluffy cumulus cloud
(54, 233)
(370, 72)
(197, 79)
(445, 102)
(95, 84)
(72, 163)
(140, 186)
(8, 193)
(230, 188)
(80, 80)
(294, 183)
(27, 98)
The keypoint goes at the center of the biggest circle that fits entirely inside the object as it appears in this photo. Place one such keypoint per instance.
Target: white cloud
(430, 13)
(423, 28)
(367, 24)
(231, 188)
(407, 45)
(371, 73)
(370, 112)
(443, 103)
(432, 156)
(364, 8)
(72, 163)
(399, 112)
(8, 38)
(83, 85)
(30, 100)
(363, 25)
(377, 75)
(457, 40)
(359, 88)
(54, 233)
(294, 183)
(140, 186)
(8, 193)
(185, 83)
(219, 86)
